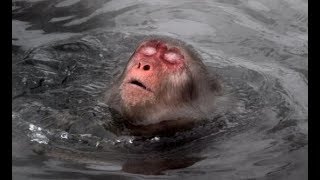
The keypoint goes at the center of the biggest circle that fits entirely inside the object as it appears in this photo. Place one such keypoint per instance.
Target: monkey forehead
(157, 43)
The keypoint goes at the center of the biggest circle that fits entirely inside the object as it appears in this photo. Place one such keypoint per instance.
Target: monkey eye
(149, 51)
(172, 57)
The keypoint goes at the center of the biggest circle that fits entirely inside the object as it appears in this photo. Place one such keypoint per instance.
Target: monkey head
(162, 76)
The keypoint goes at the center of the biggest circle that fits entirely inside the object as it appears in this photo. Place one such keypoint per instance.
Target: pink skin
(158, 51)
(151, 62)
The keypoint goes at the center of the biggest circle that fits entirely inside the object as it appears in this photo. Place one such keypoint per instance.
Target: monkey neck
(162, 112)
(163, 128)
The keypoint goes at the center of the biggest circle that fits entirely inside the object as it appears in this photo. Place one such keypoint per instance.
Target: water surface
(66, 53)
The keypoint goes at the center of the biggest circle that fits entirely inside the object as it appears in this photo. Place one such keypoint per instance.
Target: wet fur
(181, 101)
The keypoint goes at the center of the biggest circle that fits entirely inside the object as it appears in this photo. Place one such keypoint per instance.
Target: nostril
(146, 67)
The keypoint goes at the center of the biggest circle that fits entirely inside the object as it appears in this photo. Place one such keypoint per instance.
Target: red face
(153, 63)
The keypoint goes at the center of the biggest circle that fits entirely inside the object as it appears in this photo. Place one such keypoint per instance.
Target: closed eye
(149, 51)
(172, 57)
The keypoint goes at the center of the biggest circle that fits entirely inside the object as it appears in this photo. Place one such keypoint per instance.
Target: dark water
(65, 54)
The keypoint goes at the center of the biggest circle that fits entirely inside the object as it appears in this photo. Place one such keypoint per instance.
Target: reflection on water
(66, 52)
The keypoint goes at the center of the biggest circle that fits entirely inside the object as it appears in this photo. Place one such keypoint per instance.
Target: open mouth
(138, 83)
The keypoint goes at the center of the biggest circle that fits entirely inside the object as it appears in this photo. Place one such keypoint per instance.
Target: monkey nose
(145, 67)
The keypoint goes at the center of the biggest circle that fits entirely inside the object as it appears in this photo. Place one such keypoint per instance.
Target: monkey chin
(136, 95)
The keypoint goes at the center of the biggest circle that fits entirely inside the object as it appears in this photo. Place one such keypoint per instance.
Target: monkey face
(164, 80)
(154, 67)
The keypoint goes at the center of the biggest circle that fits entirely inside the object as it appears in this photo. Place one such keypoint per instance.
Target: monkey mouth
(138, 83)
